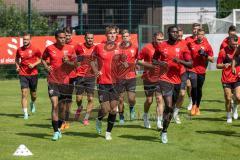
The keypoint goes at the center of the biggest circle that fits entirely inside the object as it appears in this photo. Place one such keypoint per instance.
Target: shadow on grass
(223, 133)
(132, 126)
(35, 135)
(12, 115)
(83, 134)
(213, 100)
(141, 138)
(208, 119)
(39, 125)
(212, 110)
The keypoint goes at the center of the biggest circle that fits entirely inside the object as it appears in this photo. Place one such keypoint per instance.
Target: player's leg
(149, 89)
(237, 99)
(121, 107)
(193, 80)
(131, 87)
(167, 92)
(79, 86)
(200, 82)
(159, 109)
(24, 82)
(189, 91)
(228, 96)
(33, 92)
(89, 108)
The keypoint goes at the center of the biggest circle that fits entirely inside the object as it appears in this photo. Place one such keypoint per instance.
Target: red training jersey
(167, 52)
(200, 62)
(85, 52)
(226, 56)
(225, 43)
(28, 56)
(61, 72)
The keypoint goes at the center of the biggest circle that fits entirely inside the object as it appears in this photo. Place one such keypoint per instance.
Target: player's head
(111, 33)
(60, 37)
(89, 38)
(233, 41)
(158, 37)
(26, 39)
(68, 31)
(125, 35)
(173, 33)
(180, 32)
(232, 30)
(195, 27)
(200, 34)
(117, 29)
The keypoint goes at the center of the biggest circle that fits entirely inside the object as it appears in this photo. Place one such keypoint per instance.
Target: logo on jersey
(30, 53)
(177, 50)
(65, 52)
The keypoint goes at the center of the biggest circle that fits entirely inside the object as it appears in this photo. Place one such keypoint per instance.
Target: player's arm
(17, 61)
(186, 60)
(208, 53)
(94, 63)
(156, 59)
(44, 60)
(234, 61)
(145, 64)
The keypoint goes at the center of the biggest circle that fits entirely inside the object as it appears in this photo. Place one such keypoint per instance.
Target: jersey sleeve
(45, 55)
(79, 49)
(141, 54)
(17, 54)
(209, 50)
(186, 53)
(38, 53)
(220, 57)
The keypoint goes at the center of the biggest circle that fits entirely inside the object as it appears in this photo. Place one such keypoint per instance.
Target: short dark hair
(57, 32)
(195, 25)
(200, 30)
(180, 28)
(232, 28)
(68, 29)
(26, 34)
(158, 33)
(171, 27)
(86, 33)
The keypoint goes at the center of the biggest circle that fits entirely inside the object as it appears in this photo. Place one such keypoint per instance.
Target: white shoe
(25, 116)
(108, 136)
(235, 112)
(164, 137)
(177, 119)
(159, 125)
(146, 121)
(229, 120)
(189, 107)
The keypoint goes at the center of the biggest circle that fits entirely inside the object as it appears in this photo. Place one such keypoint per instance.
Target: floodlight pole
(176, 6)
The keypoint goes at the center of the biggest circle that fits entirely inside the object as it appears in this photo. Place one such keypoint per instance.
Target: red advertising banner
(9, 45)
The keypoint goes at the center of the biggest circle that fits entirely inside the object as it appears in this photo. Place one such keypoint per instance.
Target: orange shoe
(193, 110)
(66, 125)
(63, 126)
(197, 111)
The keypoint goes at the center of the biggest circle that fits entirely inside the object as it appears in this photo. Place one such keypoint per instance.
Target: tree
(226, 7)
(14, 21)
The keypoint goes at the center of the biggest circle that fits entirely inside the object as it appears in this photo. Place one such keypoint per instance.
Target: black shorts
(167, 88)
(84, 84)
(62, 91)
(191, 76)
(128, 85)
(176, 91)
(107, 92)
(29, 82)
(151, 87)
(231, 85)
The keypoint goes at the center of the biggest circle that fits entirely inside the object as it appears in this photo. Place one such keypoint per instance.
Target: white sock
(176, 110)
(229, 115)
(86, 116)
(190, 100)
(25, 111)
(159, 118)
(145, 115)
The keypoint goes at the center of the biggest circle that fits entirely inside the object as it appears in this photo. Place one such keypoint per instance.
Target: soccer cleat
(132, 114)
(229, 120)
(98, 126)
(235, 112)
(177, 119)
(193, 110)
(164, 137)
(63, 126)
(189, 107)
(85, 122)
(197, 111)
(159, 125)
(146, 121)
(108, 136)
(59, 134)
(56, 136)
(32, 107)
(77, 113)
(66, 125)
(25, 116)
(121, 121)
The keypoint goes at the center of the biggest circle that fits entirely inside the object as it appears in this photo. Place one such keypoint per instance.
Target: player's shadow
(208, 119)
(12, 115)
(35, 135)
(83, 134)
(39, 125)
(213, 100)
(219, 132)
(140, 138)
(132, 126)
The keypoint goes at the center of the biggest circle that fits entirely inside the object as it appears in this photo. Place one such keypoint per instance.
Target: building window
(62, 21)
(108, 16)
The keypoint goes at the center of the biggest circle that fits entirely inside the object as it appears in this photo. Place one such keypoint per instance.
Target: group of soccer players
(170, 67)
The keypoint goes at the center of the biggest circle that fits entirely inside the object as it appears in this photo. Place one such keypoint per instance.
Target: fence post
(130, 15)
(176, 6)
(29, 16)
(80, 16)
